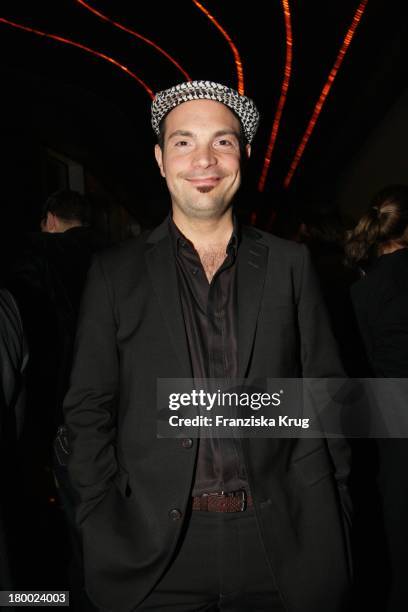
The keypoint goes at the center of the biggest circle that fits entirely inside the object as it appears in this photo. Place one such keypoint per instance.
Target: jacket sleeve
(319, 352)
(90, 405)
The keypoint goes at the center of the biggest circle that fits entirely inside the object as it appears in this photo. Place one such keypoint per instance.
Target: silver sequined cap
(168, 99)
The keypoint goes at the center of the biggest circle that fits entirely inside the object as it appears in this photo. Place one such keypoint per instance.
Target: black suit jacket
(131, 332)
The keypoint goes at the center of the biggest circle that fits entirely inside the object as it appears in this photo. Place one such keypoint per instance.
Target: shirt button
(175, 514)
(194, 271)
(187, 443)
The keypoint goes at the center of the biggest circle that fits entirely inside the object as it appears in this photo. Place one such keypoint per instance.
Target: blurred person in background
(47, 282)
(377, 246)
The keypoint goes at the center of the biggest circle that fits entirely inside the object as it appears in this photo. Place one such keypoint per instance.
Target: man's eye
(224, 142)
(181, 143)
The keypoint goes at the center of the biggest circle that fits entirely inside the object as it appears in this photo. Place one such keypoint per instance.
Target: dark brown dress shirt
(210, 317)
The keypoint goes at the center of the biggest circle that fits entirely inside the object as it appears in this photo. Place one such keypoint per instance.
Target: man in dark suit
(203, 524)
(47, 280)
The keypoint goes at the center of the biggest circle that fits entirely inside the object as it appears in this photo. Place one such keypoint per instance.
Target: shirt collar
(179, 240)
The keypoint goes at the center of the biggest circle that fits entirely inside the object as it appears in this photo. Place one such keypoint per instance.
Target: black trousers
(220, 565)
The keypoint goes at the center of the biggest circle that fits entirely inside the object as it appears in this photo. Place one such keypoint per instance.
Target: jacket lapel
(252, 265)
(163, 275)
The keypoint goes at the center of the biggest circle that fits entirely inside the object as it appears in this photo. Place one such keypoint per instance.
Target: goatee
(205, 188)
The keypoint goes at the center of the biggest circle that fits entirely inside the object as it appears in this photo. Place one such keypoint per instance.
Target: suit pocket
(120, 482)
(314, 466)
(86, 509)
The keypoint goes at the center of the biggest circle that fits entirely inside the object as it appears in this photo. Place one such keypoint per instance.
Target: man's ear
(158, 153)
(248, 150)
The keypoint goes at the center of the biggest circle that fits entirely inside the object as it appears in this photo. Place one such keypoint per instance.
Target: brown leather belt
(235, 501)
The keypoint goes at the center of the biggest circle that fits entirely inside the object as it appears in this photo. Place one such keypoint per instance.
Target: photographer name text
(251, 421)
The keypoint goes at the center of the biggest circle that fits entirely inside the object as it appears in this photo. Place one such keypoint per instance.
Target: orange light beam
(83, 47)
(237, 58)
(325, 91)
(136, 35)
(283, 95)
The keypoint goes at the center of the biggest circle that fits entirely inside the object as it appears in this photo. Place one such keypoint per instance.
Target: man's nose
(204, 156)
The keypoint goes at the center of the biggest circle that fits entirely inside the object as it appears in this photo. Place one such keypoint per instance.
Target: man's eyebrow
(217, 134)
(180, 133)
(227, 133)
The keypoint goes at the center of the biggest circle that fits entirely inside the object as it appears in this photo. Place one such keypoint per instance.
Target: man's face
(201, 158)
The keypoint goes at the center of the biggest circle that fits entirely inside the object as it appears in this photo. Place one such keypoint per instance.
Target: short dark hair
(68, 205)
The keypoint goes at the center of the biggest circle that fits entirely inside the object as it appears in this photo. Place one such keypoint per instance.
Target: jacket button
(187, 443)
(175, 514)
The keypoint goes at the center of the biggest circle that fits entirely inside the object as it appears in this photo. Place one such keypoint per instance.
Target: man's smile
(205, 182)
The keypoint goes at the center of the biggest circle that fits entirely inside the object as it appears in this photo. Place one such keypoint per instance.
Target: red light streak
(135, 34)
(83, 48)
(237, 58)
(283, 95)
(325, 91)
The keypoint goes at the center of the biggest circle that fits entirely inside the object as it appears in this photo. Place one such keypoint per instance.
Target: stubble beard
(195, 210)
